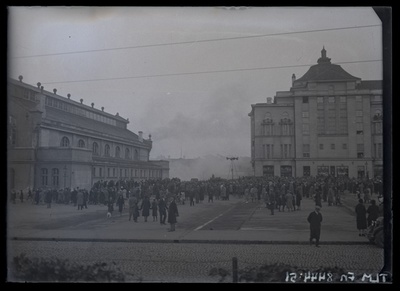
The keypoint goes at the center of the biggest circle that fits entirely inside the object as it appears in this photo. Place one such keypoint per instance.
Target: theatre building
(328, 123)
(56, 142)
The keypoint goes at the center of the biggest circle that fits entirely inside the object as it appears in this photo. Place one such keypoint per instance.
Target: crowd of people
(160, 198)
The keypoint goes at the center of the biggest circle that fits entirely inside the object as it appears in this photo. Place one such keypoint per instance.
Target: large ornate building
(329, 122)
(56, 142)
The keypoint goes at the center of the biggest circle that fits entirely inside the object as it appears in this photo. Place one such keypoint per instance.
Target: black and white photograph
(183, 144)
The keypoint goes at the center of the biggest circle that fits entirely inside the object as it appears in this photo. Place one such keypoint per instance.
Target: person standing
(315, 219)
(154, 209)
(172, 214)
(79, 199)
(120, 203)
(145, 207)
(373, 212)
(162, 209)
(131, 204)
(21, 196)
(361, 217)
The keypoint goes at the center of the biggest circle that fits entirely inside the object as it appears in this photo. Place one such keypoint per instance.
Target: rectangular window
(320, 99)
(306, 171)
(323, 170)
(332, 146)
(305, 114)
(344, 146)
(306, 150)
(306, 128)
(286, 171)
(268, 171)
(100, 172)
(360, 150)
(285, 150)
(343, 99)
(331, 99)
(305, 99)
(359, 113)
(359, 98)
(321, 146)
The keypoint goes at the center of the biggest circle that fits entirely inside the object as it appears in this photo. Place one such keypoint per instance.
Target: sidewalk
(37, 222)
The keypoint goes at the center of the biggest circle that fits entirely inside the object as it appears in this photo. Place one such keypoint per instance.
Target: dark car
(375, 232)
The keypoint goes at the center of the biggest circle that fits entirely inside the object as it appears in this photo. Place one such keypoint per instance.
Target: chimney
(140, 136)
(269, 100)
(69, 96)
(293, 78)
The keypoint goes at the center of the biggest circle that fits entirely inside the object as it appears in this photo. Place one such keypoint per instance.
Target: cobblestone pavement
(192, 262)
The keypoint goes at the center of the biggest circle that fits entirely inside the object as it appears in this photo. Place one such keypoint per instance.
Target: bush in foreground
(56, 270)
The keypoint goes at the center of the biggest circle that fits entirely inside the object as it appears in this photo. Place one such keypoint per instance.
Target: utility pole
(232, 159)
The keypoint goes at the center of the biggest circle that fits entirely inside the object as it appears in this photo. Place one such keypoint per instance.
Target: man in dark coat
(162, 209)
(361, 217)
(172, 214)
(315, 219)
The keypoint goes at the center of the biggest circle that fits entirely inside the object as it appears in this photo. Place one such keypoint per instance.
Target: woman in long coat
(172, 214)
(120, 203)
(361, 217)
(145, 207)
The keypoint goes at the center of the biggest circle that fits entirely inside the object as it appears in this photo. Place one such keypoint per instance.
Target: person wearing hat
(315, 219)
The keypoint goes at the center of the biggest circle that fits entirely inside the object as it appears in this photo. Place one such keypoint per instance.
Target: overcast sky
(119, 58)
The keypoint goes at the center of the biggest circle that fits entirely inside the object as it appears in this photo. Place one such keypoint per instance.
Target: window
(359, 113)
(332, 146)
(120, 173)
(44, 176)
(306, 150)
(378, 150)
(136, 155)
(268, 171)
(306, 128)
(305, 114)
(127, 153)
(54, 176)
(321, 146)
(359, 98)
(101, 172)
(286, 171)
(117, 152)
(378, 98)
(113, 172)
(344, 146)
(323, 170)
(108, 172)
(107, 150)
(306, 171)
(95, 148)
(65, 142)
(305, 99)
(343, 99)
(331, 99)
(81, 143)
(342, 171)
(320, 99)
(360, 150)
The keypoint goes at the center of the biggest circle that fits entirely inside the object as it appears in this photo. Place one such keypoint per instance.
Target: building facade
(56, 142)
(328, 123)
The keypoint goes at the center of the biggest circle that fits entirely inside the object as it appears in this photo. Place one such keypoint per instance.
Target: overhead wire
(195, 41)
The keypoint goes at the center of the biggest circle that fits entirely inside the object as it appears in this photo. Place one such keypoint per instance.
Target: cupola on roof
(325, 71)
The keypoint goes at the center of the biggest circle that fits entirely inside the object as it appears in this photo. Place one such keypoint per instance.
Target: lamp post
(232, 159)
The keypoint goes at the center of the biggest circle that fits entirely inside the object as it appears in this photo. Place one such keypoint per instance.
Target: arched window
(44, 176)
(81, 143)
(95, 149)
(107, 150)
(127, 154)
(65, 142)
(117, 152)
(54, 177)
(136, 155)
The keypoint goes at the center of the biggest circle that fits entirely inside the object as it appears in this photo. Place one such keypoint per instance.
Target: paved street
(208, 235)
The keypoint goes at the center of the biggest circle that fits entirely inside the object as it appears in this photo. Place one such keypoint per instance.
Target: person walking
(172, 214)
(361, 217)
(79, 199)
(315, 219)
